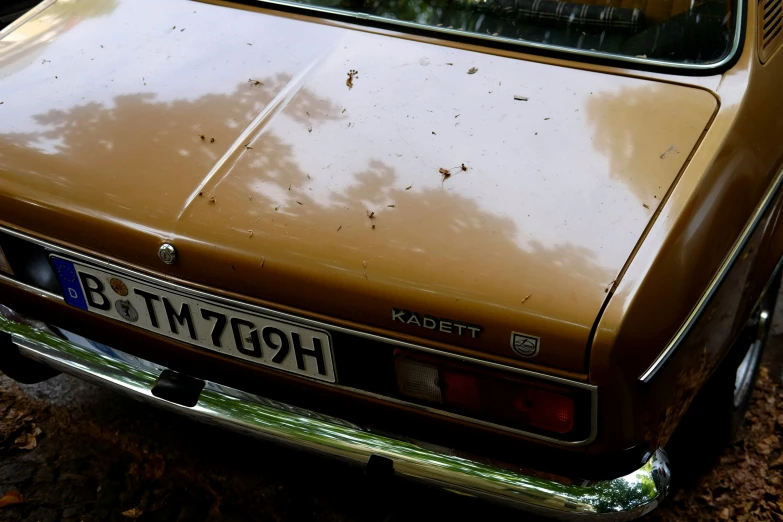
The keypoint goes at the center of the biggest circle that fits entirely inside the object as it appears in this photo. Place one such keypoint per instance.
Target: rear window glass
(677, 31)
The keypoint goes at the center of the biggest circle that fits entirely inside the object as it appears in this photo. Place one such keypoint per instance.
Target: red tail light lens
(497, 397)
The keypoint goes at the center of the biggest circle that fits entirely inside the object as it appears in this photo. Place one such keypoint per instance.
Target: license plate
(244, 334)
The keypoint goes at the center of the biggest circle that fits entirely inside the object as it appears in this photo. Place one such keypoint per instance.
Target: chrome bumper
(623, 498)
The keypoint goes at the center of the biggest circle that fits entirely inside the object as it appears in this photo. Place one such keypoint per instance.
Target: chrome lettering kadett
(440, 324)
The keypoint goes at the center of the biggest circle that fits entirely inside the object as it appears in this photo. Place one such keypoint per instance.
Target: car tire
(717, 415)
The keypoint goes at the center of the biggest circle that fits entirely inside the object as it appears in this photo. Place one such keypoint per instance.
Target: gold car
(514, 248)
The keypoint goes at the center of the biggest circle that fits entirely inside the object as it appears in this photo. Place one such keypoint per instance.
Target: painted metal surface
(698, 229)
(241, 305)
(235, 136)
(623, 498)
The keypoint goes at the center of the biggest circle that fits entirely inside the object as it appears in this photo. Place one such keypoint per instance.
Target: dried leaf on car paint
(472, 70)
(667, 151)
(12, 497)
(352, 75)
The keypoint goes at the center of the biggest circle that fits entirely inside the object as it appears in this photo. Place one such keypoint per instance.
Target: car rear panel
(476, 190)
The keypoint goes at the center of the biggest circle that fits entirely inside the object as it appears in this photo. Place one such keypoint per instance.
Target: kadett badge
(449, 326)
(524, 345)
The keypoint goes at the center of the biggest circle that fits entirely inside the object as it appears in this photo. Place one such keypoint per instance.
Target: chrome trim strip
(32, 13)
(640, 491)
(225, 301)
(594, 55)
(735, 252)
(24, 286)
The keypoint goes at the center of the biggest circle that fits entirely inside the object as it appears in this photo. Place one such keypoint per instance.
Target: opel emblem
(524, 345)
(167, 253)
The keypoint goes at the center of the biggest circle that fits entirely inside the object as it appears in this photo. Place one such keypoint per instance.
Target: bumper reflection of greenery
(239, 411)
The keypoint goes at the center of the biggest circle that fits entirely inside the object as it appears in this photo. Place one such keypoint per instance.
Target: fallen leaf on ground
(27, 441)
(133, 513)
(12, 497)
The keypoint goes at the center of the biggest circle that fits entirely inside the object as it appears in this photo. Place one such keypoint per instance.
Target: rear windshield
(699, 32)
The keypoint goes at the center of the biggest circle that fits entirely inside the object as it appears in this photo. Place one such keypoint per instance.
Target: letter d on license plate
(198, 319)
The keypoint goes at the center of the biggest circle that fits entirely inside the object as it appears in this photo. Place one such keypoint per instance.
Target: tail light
(5, 266)
(501, 398)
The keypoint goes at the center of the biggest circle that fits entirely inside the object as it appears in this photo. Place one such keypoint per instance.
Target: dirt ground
(77, 452)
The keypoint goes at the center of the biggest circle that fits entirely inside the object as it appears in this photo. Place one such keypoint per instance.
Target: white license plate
(245, 334)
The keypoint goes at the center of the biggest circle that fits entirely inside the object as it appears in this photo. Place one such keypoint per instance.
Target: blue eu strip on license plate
(72, 290)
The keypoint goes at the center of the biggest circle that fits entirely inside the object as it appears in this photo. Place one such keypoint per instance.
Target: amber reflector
(4, 266)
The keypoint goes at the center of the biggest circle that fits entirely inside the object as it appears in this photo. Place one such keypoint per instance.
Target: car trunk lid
(442, 196)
